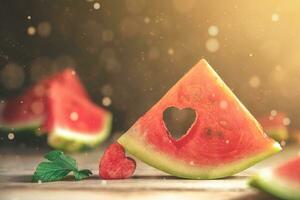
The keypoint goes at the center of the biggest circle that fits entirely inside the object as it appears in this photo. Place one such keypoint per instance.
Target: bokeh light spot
(212, 45)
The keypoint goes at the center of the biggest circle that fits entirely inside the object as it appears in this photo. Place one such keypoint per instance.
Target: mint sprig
(57, 167)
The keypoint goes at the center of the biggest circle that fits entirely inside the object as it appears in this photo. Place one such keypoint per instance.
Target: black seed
(208, 131)
(220, 134)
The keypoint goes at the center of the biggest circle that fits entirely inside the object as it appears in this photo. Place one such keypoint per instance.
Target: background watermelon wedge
(28, 112)
(274, 126)
(282, 181)
(43, 107)
(74, 123)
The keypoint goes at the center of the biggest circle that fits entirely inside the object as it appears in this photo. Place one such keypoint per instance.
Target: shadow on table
(27, 178)
(176, 178)
(255, 196)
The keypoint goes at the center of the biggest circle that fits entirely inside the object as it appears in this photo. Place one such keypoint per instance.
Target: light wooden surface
(17, 166)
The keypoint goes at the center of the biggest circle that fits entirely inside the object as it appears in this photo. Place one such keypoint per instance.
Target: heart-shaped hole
(178, 121)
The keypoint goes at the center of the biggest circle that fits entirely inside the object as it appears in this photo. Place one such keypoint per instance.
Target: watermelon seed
(208, 131)
(220, 134)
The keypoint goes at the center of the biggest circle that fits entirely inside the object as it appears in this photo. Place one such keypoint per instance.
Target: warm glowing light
(286, 121)
(277, 145)
(266, 173)
(106, 101)
(37, 107)
(97, 6)
(74, 116)
(275, 17)
(31, 30)
(223, 104)
(273, 113)
(147, 20)
(213, 30)
(170, 51)
(254, 81)
(11, 136)
(212, 45)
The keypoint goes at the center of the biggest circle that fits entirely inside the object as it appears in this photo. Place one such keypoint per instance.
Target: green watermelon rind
(30, 125)
(27, 125)
(140, 149)
(72, 141)
(275, 186)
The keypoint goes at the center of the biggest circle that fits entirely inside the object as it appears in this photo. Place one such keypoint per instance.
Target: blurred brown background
(129, 52)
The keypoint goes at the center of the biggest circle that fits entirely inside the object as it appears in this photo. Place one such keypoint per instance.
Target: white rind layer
(68, 140)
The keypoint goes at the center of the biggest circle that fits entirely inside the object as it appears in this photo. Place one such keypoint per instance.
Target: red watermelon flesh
(282, 182)
(114, 164)
(72, 122)
(276, 121)
(29, 110)
(274, 126)
(224, 139)
(290, 171)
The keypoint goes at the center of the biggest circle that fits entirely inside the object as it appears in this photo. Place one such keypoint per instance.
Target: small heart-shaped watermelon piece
(115, 165)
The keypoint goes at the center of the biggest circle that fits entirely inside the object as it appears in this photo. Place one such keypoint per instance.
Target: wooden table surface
(17, 166)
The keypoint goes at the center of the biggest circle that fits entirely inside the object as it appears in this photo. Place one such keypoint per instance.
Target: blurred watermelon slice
(61, 106)
(29, 110)
(73, 122)
(274, 126)
(282, 182)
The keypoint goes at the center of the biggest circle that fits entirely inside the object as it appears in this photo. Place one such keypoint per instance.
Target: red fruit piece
(115, 165)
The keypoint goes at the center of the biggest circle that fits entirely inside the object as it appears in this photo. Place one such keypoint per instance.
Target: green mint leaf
(60, 165)
(60, 158)
(82, 174)
(68, 162)
(53, 155)
(49, 171)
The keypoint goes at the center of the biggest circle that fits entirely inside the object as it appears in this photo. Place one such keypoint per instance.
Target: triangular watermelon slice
(74, 123)
(29, 110)
(224, 139)
(282, 182)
